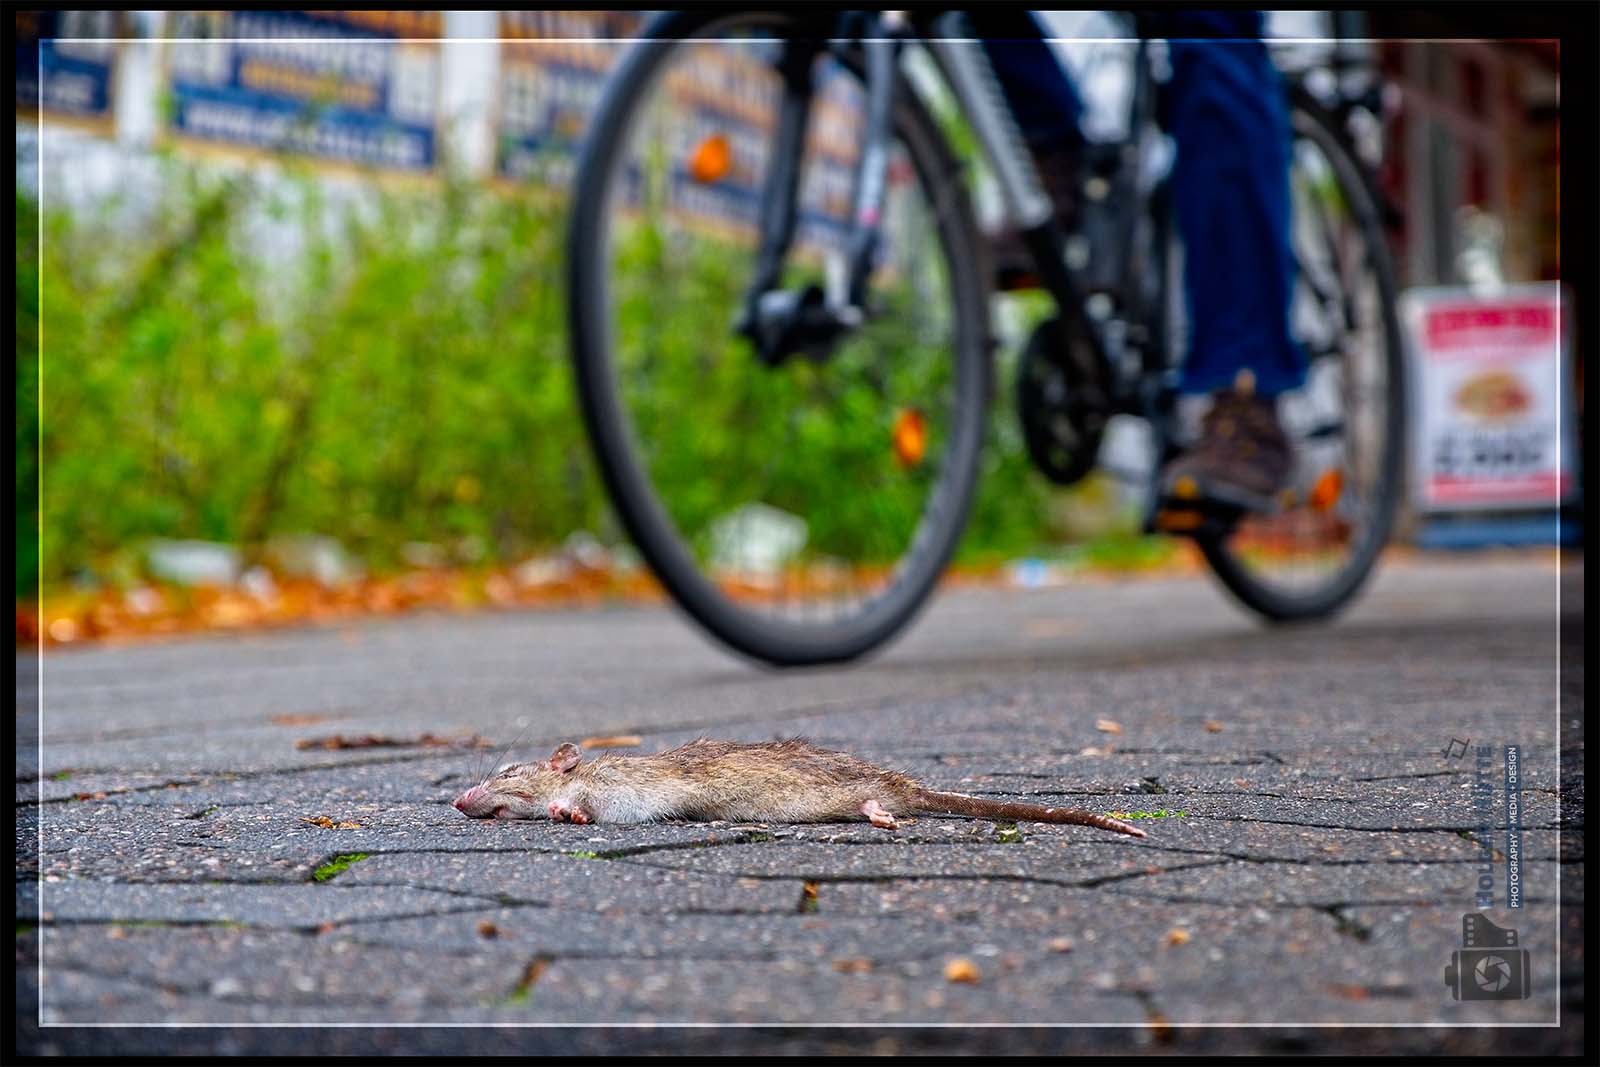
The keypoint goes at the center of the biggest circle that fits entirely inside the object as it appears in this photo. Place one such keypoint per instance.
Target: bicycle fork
(783, 322)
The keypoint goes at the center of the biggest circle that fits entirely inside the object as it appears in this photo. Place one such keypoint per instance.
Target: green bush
(402, 377)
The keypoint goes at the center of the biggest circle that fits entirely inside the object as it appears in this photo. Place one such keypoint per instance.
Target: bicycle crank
(1063, 416)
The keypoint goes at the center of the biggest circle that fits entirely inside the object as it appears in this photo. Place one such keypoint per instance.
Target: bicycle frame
(781, 322)
(1126, 366)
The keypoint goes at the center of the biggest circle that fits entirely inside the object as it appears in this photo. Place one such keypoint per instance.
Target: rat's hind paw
(874, 811)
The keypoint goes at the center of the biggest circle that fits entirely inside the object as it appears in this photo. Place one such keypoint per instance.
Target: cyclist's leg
(1231, 185)
(1225, 110)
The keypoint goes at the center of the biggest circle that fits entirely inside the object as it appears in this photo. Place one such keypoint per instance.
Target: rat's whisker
(505, 750)
(483, 762)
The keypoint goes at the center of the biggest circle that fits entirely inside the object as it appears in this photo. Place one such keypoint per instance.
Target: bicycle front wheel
(1347, 424)
(801, 512)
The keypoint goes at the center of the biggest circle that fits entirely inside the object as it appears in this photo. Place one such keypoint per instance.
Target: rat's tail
(982, 808)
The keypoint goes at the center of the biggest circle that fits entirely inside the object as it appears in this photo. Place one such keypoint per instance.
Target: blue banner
(553, 68)
(343, 86)
(75, 75)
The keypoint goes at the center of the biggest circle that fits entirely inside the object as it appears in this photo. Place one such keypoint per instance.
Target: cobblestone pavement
(182, 859)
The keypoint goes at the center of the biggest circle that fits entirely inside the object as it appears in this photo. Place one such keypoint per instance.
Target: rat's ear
(566, 757)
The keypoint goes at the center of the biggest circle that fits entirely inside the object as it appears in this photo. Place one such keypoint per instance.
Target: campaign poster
(1493, 426)
(552, 67)
(66, 61)
(344, 86)
(553, 70)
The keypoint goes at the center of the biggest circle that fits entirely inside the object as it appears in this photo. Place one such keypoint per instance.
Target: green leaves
(345, 379)
(241, 360)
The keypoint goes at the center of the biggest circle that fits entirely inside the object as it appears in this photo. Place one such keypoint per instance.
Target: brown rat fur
(772, 781)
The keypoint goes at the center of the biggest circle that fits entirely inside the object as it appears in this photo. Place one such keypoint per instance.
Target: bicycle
(875, 362)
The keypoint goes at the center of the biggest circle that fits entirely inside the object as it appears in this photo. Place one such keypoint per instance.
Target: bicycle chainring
(1062, 419)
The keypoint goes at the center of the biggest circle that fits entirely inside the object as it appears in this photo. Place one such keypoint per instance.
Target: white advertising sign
(1491, 396)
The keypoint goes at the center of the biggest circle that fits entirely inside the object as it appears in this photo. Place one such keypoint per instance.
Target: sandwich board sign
(1492, 403)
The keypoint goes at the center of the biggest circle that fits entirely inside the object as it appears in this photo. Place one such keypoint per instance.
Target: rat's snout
(471, 802)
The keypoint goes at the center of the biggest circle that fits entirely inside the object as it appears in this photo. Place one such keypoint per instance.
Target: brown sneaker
(1058, 165)
(1243, 457)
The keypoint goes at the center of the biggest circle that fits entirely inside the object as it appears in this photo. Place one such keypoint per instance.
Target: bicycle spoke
(802, 491)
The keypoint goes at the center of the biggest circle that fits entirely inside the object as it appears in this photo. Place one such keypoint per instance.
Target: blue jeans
(1225, 110)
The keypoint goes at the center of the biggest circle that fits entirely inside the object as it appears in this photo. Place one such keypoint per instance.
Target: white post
(469, 73)
(135, 97)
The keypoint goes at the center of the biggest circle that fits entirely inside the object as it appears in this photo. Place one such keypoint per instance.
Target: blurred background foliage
(399, 375)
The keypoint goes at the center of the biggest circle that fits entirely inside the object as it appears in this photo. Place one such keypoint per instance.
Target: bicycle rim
(800, 513)
(1347, 423)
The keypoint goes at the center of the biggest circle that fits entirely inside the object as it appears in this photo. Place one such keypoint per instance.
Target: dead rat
(774, 781)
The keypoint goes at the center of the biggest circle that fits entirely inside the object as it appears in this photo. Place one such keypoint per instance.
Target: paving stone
(581, 882)
(1320, 884)
(295, 907)
(1050, 858)
(256, 966)
(847, 942)
(279, 842)
(701, 991)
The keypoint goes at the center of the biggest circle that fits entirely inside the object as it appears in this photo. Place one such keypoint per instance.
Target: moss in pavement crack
(337, 865)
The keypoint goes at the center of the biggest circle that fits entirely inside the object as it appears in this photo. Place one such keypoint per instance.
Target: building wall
(1476, 129)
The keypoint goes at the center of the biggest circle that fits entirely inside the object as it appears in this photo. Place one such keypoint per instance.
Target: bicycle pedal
(1177, 520)
(1186, 509)
(1188, 495)
(1186, 520)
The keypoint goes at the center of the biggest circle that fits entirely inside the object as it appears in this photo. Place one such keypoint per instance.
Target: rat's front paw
(560, 812)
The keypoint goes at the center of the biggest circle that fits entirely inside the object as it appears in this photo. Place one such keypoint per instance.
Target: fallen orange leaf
(962, 969)
(296, 719)
(619, 741)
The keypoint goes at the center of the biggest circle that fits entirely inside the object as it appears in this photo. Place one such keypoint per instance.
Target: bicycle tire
(627, 480)
(1310, 119)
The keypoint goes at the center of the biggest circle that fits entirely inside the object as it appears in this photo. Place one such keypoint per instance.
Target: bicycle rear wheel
(801, 513)
(1347, 424)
